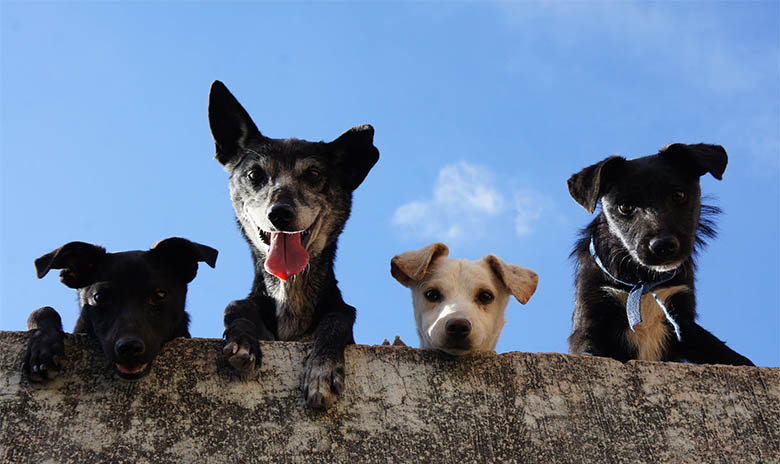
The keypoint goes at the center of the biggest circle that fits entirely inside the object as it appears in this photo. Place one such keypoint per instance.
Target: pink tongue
(286, 257)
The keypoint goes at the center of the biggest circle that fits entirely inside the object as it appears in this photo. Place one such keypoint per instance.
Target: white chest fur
(292, 319)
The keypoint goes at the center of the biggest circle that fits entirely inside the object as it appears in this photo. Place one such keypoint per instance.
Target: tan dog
(459, 304)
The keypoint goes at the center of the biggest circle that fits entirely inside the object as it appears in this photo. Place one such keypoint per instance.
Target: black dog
(291, 198)
(132, 302)
(635, 261)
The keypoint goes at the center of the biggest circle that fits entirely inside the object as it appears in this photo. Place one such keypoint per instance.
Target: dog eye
(626, 210)
(679, 196)
(485, 297)
(158, 296)
(432, 295)
(255, 175)
(100, 298)
(312, 175)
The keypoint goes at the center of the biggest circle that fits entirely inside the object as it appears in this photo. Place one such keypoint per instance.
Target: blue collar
(633, 303)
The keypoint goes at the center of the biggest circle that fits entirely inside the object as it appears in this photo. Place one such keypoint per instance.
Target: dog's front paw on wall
(323, 381)
(242, 357)
(242, 347)
(44, 352)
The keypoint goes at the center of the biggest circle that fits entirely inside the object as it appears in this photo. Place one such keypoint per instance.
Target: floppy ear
(183, 256)
(700, 158)
(587, 186)
(79, 262)
(520, 280)
(411, 266)
(355, 154)
(230, 124)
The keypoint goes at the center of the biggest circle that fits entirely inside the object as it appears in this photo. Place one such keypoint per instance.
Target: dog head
(291, 197)
(133, 301)
(651, 204)
(459, 304)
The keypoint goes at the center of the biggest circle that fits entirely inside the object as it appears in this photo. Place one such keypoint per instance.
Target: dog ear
(355, 154)
(411, 266)
(230, 124)
(520, 280)
(700, 158)
(79, 262)
(183, 256)
(587, 186)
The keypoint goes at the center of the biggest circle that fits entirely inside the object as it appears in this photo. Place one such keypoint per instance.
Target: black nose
(458, 328)
(281, 215)
(128, 347)
(664, 246)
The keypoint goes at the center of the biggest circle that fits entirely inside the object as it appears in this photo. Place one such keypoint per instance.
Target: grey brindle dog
(291, 198)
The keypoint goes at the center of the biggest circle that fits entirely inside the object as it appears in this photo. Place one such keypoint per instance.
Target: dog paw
(44, 352)
(241, 356)
(323, 381)
(242, 347)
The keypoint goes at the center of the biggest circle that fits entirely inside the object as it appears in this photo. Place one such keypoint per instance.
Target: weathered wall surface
(400, 405)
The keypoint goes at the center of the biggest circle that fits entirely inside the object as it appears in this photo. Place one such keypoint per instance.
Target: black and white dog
(132, 302)
(291, 198)
(635, 261)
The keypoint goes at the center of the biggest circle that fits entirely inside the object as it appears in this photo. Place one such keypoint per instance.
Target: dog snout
(281, 215)
(129, 347)
(664, 246)
(458, 328)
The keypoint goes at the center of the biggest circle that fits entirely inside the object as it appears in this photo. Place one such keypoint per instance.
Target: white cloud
(466, 202)
(410, 213)
(463, 199)
(467, 187)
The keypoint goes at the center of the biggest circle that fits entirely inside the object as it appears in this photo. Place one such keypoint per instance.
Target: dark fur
(648, 184)
(314, 181)
(132, 302)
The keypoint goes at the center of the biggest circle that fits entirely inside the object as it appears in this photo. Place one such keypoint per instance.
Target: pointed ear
(355, 154)
(183, 256)
(410, 267)
(587, 186)
(230, 124)
(699, 159)
(520, 280)
(79, 262)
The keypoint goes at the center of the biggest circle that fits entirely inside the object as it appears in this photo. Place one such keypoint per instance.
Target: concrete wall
(400, 405)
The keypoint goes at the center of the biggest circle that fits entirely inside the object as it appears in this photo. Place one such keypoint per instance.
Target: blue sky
(481, 111)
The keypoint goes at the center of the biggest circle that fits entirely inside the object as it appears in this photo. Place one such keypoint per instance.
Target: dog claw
(230, 349)
(44, 351)
(243, 360)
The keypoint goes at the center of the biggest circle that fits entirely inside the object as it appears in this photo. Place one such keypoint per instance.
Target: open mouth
(132, 371)
(287, 251)
(305, 235)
